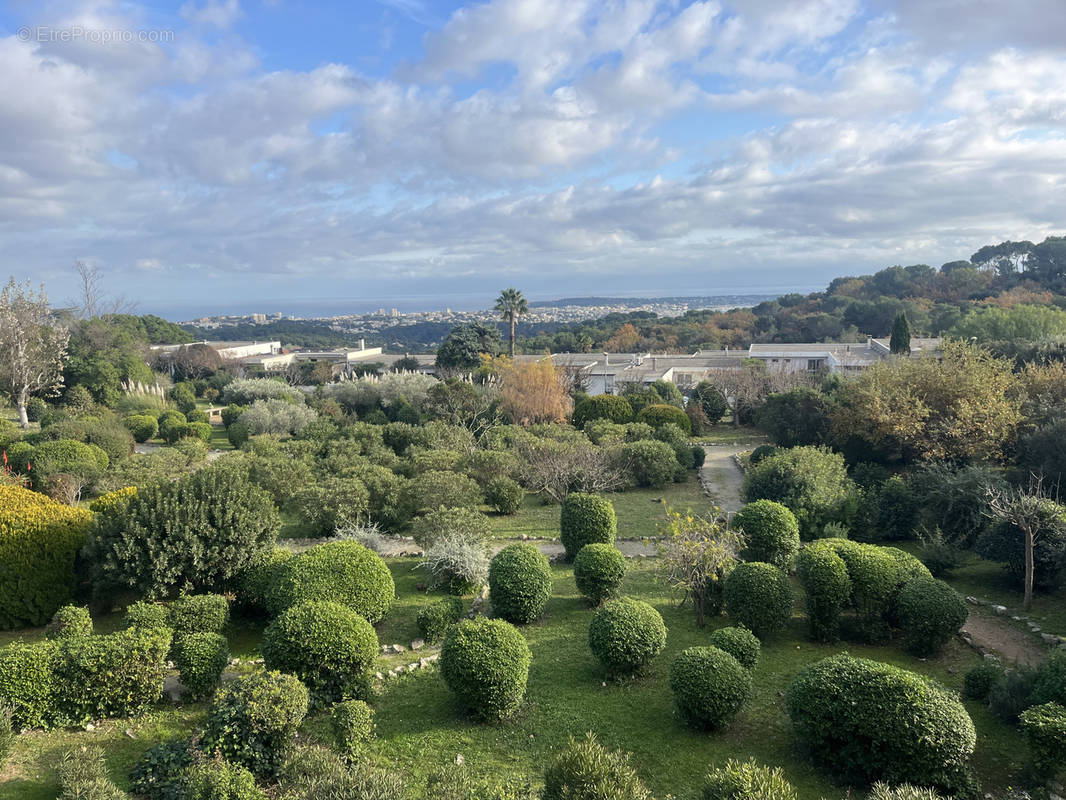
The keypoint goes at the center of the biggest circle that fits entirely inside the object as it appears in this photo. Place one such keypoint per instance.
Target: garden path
(721, 477)
(1010, 643)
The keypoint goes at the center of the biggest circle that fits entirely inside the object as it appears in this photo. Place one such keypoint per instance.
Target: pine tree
(900, 343)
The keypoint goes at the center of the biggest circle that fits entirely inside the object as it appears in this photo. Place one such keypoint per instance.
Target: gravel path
(1010, 643)
(721, 477)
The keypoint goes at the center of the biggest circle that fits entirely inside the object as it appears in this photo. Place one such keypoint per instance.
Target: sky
(261, 155)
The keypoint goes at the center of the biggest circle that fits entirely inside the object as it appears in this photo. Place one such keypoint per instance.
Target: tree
(32, 346)
(463, 347)
(511, 304)
(533, 392)
(900, 343)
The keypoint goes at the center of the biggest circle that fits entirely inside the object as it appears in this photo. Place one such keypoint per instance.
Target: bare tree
(746, 387)
(32, 346)
(1027, 511)
(94, 302)
(554, 469)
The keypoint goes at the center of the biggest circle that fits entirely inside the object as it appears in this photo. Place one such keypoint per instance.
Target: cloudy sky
(262, 154)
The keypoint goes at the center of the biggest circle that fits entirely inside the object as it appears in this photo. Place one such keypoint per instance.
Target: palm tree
(511, 304)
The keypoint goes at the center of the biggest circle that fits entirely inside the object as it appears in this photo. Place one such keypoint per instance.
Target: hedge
(759, 597)
(813, 482)
(504, 495)
(710, 686)
(199, 613)
(652, 464)
(866, 721)
(584, 519)
(771, 533)
(345, 572)
(27, 683)
(599, 569)
(39, 540)
(255, 580)
(485, 663)
(70, 622)
(626, 635)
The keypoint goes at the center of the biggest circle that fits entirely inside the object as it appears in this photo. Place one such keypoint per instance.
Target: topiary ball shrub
(142, 426)
(1044, 727)
(770, 531)
(520, 583)
(199, 613)
(70, 622)
(930, 612)
(434, 619)
(147, 615)
(200, 659)
(979, 681)
(352, 723)
(598, 571)
(485, 663)
(328, 646)
(255, 580)
(586, 519)
(343, 572)
(652, 464)
(710, 686)
(161, 772)
(740, 643)
(586, 770)
(827, 586)
(614, 408)
(759, 597)
(659, 414)
(504, 495)
(253, 719)
(866, 721)
(747, 780)
(625, 635)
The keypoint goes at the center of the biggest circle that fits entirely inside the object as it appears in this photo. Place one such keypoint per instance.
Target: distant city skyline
(249, 154)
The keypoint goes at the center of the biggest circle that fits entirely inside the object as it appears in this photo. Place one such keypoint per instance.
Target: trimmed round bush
(255, 580)
(586, 770)
(759, 597)
(327, 645)
(613, 408)
(979, 681)
(504, 495)
(710, 686)
(652, 464)
(585, 519)
(659, 414)
(740, 643)
(813, 482)
(253, 719)
(200, 659)
(147, 615)
(770, 531)
(343, 572)
(625, 635)
(142, 426)
(199, 613)
(434, 619)
(485, 663)
(874, 574)
(826, 584)
(70, 622)
(353, 725)
(930, 612)
(866, 721)
(598, 571)
(520, 583)
(747, 780)
(1044, 727)
(436, 488)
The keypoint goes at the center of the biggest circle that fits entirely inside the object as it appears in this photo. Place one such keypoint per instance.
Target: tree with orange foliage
(624, 340)
(534, 391)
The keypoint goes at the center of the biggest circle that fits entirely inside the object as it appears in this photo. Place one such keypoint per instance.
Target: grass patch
(989, 580)
(727, 433)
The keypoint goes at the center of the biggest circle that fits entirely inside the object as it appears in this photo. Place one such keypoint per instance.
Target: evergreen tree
(900, 343)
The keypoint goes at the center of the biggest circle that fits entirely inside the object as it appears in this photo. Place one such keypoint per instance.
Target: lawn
(728, 433)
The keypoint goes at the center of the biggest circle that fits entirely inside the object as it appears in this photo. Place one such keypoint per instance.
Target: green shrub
(710, 400)
(196, 415)
(1049, 684)
(199, 613)
(891, 511)
(35, 408)
(86, 462)
(118, 675)
(658, 414)
(761, 452)
(930, 612)
(812, 482)
(747, 780)
(82, 775)
(218, 779)
(327, 645)
(1044, 727)
(599, 569)
(740, 643)
(457, 564)
(710, 686)
(437, 488)
(882, 791)
(255, 580)
(200, 659)
(770, 532)
(39, 539)
(161, 772)
(316, 773)
(200, 430)
(7, 735)
(1013, 694)
(193, 535)
(434, 619)
(332, 503)
(344, 572)
(70, 622)
(826, 584)
(504, 495)
(651, 464)
(238, 433)
(626, 635)
(759, 597)
(979, 681)
(866, 721)
(602, 406)
(353, 725)
(253, 719)
(27, 683)
(874, 574)
(586, 770)
(585, 519)
(520, 583)
(435, 525)
(147, 615)
(142, 426)
(485, 663)
(173, 426)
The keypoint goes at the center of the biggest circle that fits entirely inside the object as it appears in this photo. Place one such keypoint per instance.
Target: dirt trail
(1001, 637)
(721, 477)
